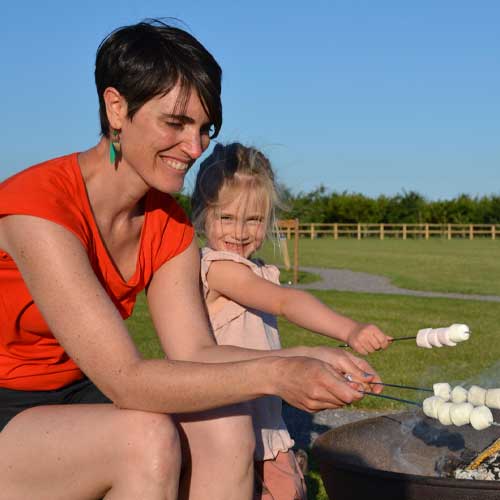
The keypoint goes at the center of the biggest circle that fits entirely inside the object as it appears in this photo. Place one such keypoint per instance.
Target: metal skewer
(392, 340)
(407, 401)
(350, 378)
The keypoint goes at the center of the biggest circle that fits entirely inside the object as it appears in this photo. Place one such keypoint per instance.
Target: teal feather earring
(114, 146)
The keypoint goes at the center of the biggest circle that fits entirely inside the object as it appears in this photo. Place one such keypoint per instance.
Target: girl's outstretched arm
(238, 283)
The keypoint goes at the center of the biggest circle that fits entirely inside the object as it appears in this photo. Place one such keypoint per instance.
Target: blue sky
(370, 96)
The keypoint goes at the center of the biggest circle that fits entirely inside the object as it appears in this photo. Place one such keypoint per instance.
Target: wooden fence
(402, 231)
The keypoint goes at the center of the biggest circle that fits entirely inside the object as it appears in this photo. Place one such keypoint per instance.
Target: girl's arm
(237, 282)
(84, 320)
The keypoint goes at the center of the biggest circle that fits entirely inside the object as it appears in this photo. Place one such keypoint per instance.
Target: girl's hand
(366, 338)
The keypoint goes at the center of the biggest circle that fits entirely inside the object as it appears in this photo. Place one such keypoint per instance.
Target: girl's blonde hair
(234, 167)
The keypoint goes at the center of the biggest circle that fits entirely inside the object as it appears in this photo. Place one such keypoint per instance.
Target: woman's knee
(151, 442)
(229, 430)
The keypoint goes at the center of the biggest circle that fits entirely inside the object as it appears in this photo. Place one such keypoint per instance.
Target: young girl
(233, 207)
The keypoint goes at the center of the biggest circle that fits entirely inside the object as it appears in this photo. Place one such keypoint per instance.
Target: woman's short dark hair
(148, 59)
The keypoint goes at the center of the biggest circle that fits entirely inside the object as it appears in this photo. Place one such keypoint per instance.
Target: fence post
(313, 234)
(449, 231)
(381, 231)
(427, 231)
(296, 252)
(359, 231)
(404, 231)
(471, 232)
(493, 231)
(335, 231)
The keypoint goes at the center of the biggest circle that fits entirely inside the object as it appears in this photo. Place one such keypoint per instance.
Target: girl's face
(239, 223)
(161, 144)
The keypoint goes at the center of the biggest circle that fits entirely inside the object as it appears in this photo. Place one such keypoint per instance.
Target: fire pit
(402, 457)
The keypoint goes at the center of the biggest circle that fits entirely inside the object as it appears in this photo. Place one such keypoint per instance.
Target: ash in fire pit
(483, 467)
(489, 470)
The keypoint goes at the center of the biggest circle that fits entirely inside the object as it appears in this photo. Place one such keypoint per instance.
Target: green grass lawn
(460, 266)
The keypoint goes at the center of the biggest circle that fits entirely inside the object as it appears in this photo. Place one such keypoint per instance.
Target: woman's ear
(116, 107)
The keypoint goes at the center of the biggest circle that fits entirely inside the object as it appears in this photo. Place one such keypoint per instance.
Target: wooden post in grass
(290, 225)
(493, 231)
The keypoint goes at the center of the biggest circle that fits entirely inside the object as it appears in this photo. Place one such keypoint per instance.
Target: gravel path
(350, 281)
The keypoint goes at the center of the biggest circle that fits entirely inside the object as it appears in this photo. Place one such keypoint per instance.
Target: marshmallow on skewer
(459, 394)
(458, 332)
(481, 417)
(492, 399)
(460, 413)
(439, 337)
(431, 405)
(433, 339)
(476, 395)
(422, 340)
(442, 390)
(444, 413)
(443, 335)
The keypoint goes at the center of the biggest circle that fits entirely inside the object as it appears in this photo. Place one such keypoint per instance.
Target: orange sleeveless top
(30, 357)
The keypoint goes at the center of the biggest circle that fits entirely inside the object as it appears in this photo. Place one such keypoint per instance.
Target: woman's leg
(218, 451)
(88, 452)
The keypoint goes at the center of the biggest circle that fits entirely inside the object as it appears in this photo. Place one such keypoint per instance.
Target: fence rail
(403, 231)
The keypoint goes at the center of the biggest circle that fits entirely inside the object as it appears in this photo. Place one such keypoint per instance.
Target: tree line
(322, 205)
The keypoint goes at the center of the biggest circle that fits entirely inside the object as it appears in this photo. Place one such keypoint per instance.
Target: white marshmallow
(476, 395)
(460, 413)
(459, 394)
(433, 339)
(422, 340)
(459, 333)
(443, 334)
(444, 413)
(431, 405)
(442, 390)
(492, 399)
(481, 418)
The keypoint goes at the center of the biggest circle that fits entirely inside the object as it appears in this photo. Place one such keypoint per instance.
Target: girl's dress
(234, 324)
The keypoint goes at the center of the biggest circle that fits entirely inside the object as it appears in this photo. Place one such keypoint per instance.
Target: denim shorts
(13, 402)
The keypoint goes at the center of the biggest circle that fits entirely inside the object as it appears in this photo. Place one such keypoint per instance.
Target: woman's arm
(81, 316)
(237, 282)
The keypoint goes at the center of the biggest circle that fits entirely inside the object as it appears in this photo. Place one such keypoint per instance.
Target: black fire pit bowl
(401, 457)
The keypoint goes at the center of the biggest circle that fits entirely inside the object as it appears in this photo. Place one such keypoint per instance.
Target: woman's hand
(311, 385)
(326, 379)
(365, 338)
(358, 371)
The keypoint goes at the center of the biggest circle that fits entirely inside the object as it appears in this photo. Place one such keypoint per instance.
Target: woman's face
(239, 224)
(161, 143)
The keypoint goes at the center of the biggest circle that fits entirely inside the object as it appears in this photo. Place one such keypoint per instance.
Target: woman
(85, 416)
